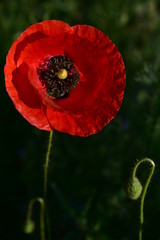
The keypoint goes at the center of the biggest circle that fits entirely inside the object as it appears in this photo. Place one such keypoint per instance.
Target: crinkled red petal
(98, 96)
(25, 99)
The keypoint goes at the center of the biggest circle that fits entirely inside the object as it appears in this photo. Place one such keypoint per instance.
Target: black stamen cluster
(48, 75)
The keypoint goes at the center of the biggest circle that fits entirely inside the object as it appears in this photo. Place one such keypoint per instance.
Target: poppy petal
(97, 97)
(25, 99)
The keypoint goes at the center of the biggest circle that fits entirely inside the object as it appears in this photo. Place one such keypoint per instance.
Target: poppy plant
(70, 79)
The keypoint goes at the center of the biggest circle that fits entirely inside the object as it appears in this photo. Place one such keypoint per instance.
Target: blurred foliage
(87, 176)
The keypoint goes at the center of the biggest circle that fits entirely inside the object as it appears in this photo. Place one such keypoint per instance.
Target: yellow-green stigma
(62, 74)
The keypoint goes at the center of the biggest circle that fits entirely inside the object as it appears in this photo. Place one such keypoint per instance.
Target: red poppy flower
(71, 79)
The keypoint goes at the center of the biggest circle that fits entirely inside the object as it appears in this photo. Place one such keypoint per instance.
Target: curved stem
(148, 160)
(42, 213)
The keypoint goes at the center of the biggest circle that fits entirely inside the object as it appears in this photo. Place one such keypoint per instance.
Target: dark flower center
(59, 75)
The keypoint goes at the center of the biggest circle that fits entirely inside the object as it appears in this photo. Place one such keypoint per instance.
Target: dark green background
(90, 174)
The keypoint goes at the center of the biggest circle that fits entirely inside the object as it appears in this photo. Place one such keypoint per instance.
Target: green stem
(29, 227)
(148, 160)
(46, 164)
(45, 181)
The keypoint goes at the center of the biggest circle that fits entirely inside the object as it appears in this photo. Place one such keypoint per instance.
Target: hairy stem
(45, 181)
(46, 163)
(29, 226)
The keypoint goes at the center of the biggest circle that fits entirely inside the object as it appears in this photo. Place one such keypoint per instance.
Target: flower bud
(134, 188)
(29, 226)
